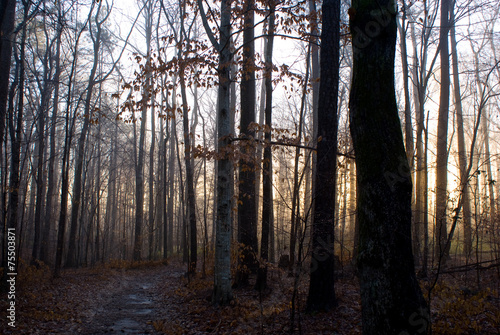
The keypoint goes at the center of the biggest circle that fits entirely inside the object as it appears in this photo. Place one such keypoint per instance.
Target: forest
(250, 166)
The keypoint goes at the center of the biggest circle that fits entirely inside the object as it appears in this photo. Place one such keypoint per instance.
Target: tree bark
(462, 151)
(321, 286)
(52, 177)
(392, 302)
(151, 198)
(45, 87)
(171, 184)
(247, 211)
(7, 20)
(16, 121)
(7, 17)
(191, 193)
(267, 171)
(222, 293)
(442, 138)
(409, 142)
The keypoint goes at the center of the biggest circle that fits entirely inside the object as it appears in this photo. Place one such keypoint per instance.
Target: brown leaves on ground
(182, 306)
(187, 309)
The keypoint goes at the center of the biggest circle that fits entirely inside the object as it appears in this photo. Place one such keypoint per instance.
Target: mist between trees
(322, 136)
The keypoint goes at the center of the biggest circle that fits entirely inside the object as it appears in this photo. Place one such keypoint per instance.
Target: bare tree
(391, 299)
(222, 293)
(442, 136)
(98, 19)
(321, 287)
(267, 170)
(247, 211)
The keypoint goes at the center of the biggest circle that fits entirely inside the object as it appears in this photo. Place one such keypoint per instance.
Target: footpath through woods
(102, 300)
(132, 308)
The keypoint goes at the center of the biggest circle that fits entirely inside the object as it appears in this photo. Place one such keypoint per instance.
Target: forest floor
(156, 298)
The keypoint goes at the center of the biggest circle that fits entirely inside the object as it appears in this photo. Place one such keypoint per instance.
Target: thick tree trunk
(222, 293)
(321, 287)
(7, 17)
(392, 302)
(247, 211)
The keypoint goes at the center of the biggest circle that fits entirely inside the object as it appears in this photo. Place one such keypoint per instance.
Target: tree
(392, 302)
(96, 37)
(151, 218)
(16, 120)
(7, 19)
(442, 136)
(139, 167)
(462, 151)
(52, 176)
(408, 134)
(45, 85)
(422, 73)
(247, 211)
(267, 171)
(191, 192)
(321, 286)
(222, 293)
(65, 165)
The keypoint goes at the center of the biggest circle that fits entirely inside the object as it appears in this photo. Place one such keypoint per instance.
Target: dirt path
(130, 305)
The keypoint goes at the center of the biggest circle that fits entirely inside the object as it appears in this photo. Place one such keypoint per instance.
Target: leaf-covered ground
(155, 298)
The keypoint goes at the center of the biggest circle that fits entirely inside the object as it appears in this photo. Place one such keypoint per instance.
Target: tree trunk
(164, 137)
(353, 210)
(139, 172)
(171, 184)
(409, 143)
(295, 218)
(391, 299)
(7, 19)
(442, 138)
(267, 171)
(52, 177)
(72, 260)
(15, 131)
(321, 286)
(462, 151)
(70, 121)
(40, 169)
(247, 211)
(151, 183)
(222, 293)
(191, 193)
